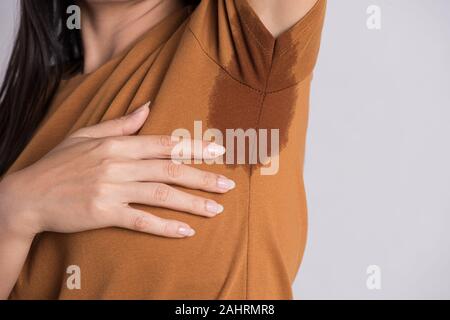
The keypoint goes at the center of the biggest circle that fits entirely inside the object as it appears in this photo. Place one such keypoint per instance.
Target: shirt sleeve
(233, 36)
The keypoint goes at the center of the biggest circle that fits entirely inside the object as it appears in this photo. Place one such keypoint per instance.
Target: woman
(88, 181)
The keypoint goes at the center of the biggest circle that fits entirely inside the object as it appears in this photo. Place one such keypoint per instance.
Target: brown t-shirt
(216, 64)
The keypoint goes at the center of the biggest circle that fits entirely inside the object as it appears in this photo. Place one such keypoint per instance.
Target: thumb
(123, 126)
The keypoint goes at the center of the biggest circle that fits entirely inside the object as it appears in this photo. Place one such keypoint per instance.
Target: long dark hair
(43, 52)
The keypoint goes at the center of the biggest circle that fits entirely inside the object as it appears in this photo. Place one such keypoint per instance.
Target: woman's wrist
(15, 220)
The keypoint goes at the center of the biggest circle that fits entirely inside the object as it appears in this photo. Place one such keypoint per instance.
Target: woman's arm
(88, 182)
(14, 249)
(279, 15)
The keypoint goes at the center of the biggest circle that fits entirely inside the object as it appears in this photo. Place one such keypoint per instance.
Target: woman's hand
(89, 180)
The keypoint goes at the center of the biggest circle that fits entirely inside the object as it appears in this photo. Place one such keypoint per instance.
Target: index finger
(166, 147)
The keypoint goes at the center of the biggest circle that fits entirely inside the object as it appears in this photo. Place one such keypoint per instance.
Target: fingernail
(140, 109)
(213, 207)
(187, 232)
(226, 184)
(215, 150)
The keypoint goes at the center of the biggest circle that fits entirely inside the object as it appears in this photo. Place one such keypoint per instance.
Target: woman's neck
(109, 27)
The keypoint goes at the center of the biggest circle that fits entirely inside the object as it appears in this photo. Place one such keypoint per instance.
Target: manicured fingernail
(226, 184)
(213, 207)
(215, 150)
(140, 109)
(187, 232)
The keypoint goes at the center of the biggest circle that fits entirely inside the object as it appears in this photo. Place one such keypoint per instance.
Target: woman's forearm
(14, 243)
(13, 252)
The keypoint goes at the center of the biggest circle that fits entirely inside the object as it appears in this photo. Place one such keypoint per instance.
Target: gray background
(377, 168)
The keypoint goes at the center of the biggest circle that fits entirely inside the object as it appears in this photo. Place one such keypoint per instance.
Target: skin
(280, 15)
(88, 181)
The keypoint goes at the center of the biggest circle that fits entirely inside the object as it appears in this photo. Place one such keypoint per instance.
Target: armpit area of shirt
(233, 36)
